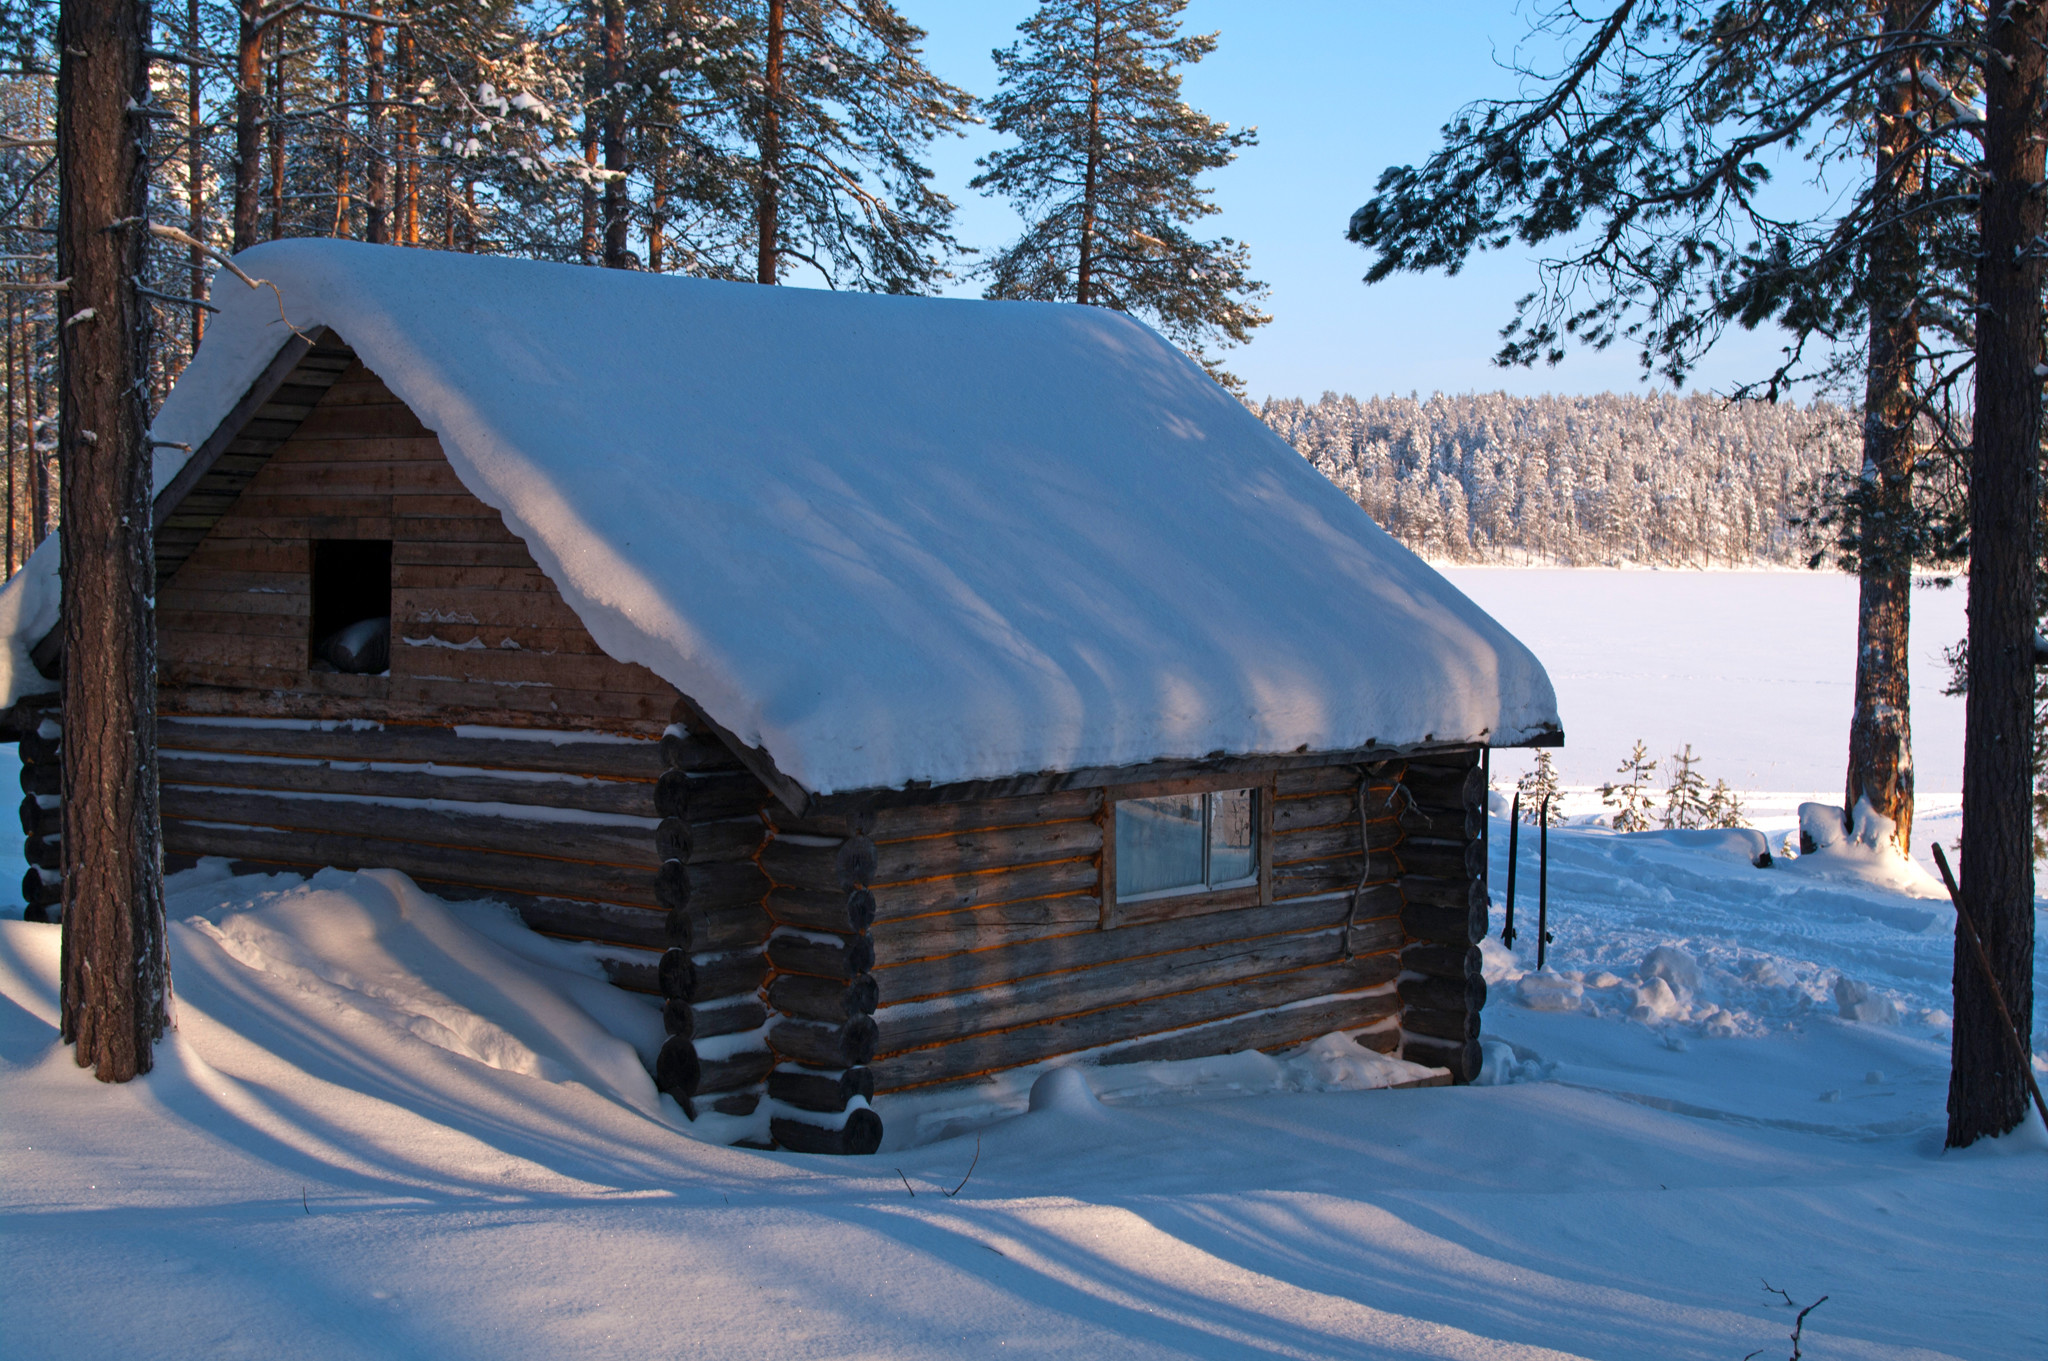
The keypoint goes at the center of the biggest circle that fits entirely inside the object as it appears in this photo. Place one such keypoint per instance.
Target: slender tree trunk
(1880, 726)
(377, 226)
(344, 83)
(1084, 274)
(617, 203)
(768, 209)
(195, 174)
(276, 139)
(409, 142)
(116, 980)
(12, 395)
(447, 206)
(248, 125)
(657, 219)
(1987, 1091)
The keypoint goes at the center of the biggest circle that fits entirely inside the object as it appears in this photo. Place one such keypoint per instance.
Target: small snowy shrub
(1631, 797)
(1685, 799)
(1540, 784)
(1724, 807)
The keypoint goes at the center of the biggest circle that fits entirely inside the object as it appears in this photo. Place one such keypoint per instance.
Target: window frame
(1166, 906)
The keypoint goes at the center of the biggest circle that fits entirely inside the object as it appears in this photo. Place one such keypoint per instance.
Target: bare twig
(1798, 1324)
(970, 1171)
(166, 232)
(906, 1183)
(174, 299)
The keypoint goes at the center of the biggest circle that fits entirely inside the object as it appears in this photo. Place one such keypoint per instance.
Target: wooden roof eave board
(1052, 782)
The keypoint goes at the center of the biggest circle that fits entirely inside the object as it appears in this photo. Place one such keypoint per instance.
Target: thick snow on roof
(894, 539)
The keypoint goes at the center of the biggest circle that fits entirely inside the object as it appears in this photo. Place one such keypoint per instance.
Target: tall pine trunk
(195, 173)
(377, 215)
(116, 980)
(248, 125)
(1987, 1092)
(768, 206)
(344, 82)
(1880, 726)
(1084, 271)
(276, 139)
(616, 201)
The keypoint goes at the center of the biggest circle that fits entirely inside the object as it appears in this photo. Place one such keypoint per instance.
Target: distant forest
(1646, 480)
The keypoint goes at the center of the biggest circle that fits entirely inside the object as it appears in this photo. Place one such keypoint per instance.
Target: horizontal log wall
(479, 634)
(980, 923)
(711, 887)
(38, 727)
(1445, 913)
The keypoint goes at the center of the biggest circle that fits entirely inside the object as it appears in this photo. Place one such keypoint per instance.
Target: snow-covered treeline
(1653, 479)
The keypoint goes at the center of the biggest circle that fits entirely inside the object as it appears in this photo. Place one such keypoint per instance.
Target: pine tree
(1104, 173)
(1987, 1081)
(1538, 785)
(1685, 798)
(1631, 798)
(1650, 151)
(839, 107)
(1724, 807)
(115, 993)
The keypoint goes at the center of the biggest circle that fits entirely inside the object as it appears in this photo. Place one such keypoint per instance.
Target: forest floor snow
(387, 1126)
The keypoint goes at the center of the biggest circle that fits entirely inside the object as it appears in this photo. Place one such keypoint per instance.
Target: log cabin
(897, 690)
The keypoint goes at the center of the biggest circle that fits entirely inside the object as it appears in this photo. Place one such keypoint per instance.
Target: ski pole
(1991, 976)
(1507, 932)
(1542, 880)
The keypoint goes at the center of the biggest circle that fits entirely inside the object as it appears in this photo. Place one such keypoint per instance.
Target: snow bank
(391, 1127)
(894, 538)
(28, 611)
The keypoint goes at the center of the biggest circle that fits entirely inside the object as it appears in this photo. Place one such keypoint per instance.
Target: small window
(1186, 843)
(351, 626)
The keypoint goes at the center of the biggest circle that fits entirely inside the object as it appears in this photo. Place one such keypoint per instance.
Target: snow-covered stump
(821, 994)
(1445, 913)
(711, 887)
(37, 720)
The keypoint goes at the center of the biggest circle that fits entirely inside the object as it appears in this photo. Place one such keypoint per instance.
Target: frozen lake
(1755, 669)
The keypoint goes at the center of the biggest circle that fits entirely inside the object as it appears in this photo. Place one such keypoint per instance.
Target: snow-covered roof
(891, 539)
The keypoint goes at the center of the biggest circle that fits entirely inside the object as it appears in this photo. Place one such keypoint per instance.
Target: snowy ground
(391, 1127)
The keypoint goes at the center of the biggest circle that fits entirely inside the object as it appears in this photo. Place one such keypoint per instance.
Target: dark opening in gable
(351, 627)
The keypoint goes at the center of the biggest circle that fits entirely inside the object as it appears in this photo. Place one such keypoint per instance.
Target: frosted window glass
(1181, 843)
(1158, 844)
(1231, 855)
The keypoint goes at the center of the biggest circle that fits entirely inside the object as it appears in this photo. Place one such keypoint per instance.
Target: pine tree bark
(377, 214)
(276, 141)
(1084, 272)
(1880, 726)
(616, 201)
(1987, 1092)
(248, 125)
(195, 173)
(767, 213)
(115, 978)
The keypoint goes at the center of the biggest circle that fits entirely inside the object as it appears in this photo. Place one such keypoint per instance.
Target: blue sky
(1338, 92)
